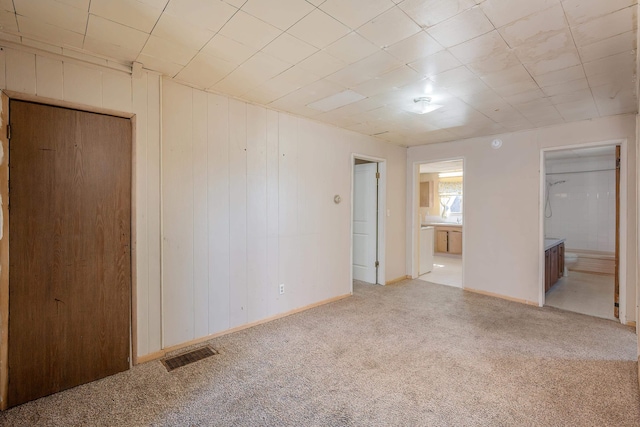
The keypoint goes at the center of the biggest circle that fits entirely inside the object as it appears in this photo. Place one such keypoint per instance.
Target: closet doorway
(70, 249)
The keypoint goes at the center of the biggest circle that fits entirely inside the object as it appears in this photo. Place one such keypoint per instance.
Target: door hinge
(618, 163)
(377, 175)
(8, 131)
(377, 264)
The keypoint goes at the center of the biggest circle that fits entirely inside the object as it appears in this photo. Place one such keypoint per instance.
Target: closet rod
(595, 170)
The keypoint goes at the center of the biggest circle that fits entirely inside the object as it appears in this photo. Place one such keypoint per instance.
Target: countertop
(441, 224)
(551, 242)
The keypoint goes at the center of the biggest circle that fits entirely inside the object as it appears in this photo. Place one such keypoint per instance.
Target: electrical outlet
(281, 288)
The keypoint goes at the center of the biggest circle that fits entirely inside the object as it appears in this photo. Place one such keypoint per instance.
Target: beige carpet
(412, 354)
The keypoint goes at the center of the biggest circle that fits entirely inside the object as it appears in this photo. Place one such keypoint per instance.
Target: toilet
(570, 259)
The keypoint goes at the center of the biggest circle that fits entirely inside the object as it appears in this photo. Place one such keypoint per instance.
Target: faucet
(459, 220)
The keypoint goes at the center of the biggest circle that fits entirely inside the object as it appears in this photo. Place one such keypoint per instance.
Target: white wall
(247, 197)
(502, 203)
(248, 204)
(583, 208)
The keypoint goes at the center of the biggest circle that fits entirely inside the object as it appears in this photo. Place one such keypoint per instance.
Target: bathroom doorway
(581, 230)
(440, 216)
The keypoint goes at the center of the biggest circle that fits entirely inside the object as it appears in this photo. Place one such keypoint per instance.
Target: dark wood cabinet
(553, 265)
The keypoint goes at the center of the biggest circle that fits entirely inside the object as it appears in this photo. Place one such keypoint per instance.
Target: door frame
(413, 260)
(382, 209)
(622, 215)
(5, 96)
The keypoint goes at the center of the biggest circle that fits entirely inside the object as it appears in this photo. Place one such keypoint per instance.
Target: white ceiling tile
(583, 95)
(502, 12)
(322, 64)
(8, 21)
(155, 3)
(204, 71)
(581, 11)
(262, 95)
(625, 42)
(286, 82)
(365, 69)
(228, 49)
(561, 76)
(462, 27)
(351, 48)
(52, 34)
(566, 88)
(607, 26)
(525, 97)
(79, 4)
(428, 13)
(168, 50)
(249, 30)
(555, 63)
(610, 69)
(389, 28)
(480, 48)
(354, 13)
(318, 29)
(612, 99)
(468, 87)
(236, 3)
(110, 50)
(516, 88)
(535, 27)
(451, 78)
(235, 84)
(436, 63)
(484, 100)
(176, 29)
(399, 77)
(165, 67)
(8, 5)
(316, 91)
(316, 2)
(211, 14)
(131, 13)
(289, 49)
(415, 47)
(117, 34)
(279, 13)
(499, 62)
(53, 13)
(260, 68)
(554, 44)
(578, 110)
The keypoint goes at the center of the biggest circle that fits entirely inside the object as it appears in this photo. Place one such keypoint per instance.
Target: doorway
(440, 217)
(582, 230)
(70, 249)
(367, 221)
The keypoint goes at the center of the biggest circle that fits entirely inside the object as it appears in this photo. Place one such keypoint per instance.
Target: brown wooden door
(69, 248)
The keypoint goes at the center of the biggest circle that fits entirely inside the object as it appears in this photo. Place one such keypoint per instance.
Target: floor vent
(187, 358)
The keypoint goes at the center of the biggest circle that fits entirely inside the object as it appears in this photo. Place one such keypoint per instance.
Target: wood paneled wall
(248, 204)
(78, 83)
(233, 223)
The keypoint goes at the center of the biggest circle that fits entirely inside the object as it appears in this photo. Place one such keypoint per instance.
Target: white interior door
(365, 206)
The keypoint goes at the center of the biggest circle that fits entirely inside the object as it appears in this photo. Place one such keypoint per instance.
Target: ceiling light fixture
(424, 105)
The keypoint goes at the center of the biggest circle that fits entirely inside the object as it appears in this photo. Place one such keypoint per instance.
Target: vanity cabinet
(449, 240)
(553, 265)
